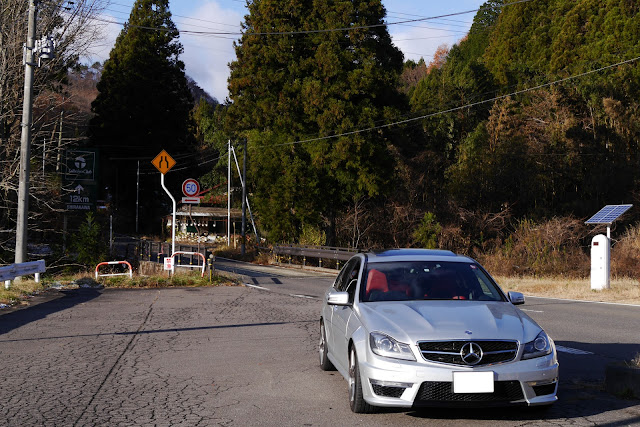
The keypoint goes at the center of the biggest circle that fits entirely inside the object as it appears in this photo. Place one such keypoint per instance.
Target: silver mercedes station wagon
(415, 328)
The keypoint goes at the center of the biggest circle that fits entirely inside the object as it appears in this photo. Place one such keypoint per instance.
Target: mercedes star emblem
(471, 353)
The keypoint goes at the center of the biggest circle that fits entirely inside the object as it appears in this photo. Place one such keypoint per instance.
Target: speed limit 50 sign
(190, 187)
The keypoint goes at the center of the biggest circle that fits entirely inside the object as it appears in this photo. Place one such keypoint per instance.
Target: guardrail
(319, 252)
(130, 273)
(10, 272)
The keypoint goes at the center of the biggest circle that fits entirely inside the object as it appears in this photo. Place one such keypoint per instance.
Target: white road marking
(302, 296)
(572, 350)
(257, 287)
(531, 311)
(585, 301)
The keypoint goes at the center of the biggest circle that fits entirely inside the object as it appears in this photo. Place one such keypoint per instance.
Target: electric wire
(454, 109)
(327, 30)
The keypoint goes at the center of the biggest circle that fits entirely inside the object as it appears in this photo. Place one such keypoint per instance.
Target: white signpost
(164, 162)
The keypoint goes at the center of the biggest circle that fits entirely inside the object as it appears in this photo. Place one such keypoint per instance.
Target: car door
(341, 314)
(327, 310)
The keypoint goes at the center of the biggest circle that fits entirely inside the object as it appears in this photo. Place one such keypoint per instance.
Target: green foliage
(143, 106)
(144, 74)
(292, 87)
(312, 236)
(88, 243)
(426, 235)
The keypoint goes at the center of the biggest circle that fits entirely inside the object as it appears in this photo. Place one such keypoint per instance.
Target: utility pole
(243, 248)
(25, 141)
(229, 197)
(137, 196)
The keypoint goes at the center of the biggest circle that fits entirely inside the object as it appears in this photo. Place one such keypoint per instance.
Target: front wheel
(325, 363)
(356, 401)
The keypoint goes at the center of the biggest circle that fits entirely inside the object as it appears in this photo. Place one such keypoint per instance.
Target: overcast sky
(206, 56)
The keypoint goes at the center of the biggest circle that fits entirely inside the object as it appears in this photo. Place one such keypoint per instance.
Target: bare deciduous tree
(74, 29)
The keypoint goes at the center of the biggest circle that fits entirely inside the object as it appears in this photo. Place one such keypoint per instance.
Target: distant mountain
(197, 92)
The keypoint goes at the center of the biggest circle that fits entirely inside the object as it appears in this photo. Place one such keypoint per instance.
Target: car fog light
(390, 383)
(544, 382)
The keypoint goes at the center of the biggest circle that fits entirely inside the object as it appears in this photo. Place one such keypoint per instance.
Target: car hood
(412, 321)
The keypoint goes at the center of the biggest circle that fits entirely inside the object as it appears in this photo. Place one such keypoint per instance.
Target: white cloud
(107, 31)
(421, 42)
(206, 57)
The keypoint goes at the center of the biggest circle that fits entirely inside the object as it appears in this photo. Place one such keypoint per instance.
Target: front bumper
(398, 383)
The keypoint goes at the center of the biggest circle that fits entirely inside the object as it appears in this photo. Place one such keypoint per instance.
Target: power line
(454, 109)
(327, 30)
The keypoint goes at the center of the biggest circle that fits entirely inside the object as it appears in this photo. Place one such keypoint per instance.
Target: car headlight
(541, 346)
(384, 345)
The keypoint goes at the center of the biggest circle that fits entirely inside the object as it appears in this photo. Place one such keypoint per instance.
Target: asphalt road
(243, 356)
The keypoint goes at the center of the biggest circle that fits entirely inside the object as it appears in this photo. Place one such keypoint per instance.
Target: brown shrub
(551, 248)
(625, 254)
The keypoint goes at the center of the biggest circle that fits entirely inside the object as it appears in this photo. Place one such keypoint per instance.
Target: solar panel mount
(608, 214)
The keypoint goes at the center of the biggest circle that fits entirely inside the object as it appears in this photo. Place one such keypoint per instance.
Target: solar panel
(608, 214)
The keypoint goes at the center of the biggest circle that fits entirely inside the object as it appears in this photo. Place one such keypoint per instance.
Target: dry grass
(19, 291)
(622, 290)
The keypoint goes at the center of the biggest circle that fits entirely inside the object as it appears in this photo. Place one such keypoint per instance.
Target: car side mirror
(516, 298)
(338, 298)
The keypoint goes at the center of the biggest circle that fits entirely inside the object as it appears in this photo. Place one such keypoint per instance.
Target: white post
(7, 284)
(173, 223)
(229, 197)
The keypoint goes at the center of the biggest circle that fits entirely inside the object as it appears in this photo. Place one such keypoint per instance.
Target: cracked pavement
(225, 356)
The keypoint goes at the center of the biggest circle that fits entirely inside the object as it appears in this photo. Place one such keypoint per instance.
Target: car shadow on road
(21, 317)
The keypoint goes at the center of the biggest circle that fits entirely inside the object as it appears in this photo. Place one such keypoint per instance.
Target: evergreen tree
(144, 103)
(300, 75)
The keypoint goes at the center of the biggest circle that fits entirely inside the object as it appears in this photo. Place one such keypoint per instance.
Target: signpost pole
(163, 162)
(173, 222)
(229, 197)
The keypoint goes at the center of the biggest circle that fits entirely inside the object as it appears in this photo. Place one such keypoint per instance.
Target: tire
(323, 350)
(356, 401)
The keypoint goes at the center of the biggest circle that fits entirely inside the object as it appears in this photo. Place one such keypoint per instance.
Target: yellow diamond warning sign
(163, 162)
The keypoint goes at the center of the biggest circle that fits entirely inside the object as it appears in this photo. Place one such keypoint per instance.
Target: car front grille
(451, 351)
(432, 393)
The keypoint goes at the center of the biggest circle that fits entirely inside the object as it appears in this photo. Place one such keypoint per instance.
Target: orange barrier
(130, 273)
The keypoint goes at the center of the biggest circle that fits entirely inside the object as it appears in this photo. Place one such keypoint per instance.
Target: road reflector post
(212, 267)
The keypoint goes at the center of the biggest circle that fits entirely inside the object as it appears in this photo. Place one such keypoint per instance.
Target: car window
(348, 273)
(427, 280)
(338, 281)
(351, 279)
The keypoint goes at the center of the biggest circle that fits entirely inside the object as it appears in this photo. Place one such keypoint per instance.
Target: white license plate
(473, 382)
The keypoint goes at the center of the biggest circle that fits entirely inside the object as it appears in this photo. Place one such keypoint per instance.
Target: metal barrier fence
(319, 252)
(148, 250)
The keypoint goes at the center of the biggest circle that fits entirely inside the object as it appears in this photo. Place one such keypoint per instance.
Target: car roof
(415, 255)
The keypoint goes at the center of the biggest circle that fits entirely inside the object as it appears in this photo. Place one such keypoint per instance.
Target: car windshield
(427, 280)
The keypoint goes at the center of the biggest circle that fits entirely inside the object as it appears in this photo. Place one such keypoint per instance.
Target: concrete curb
(622, 380)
